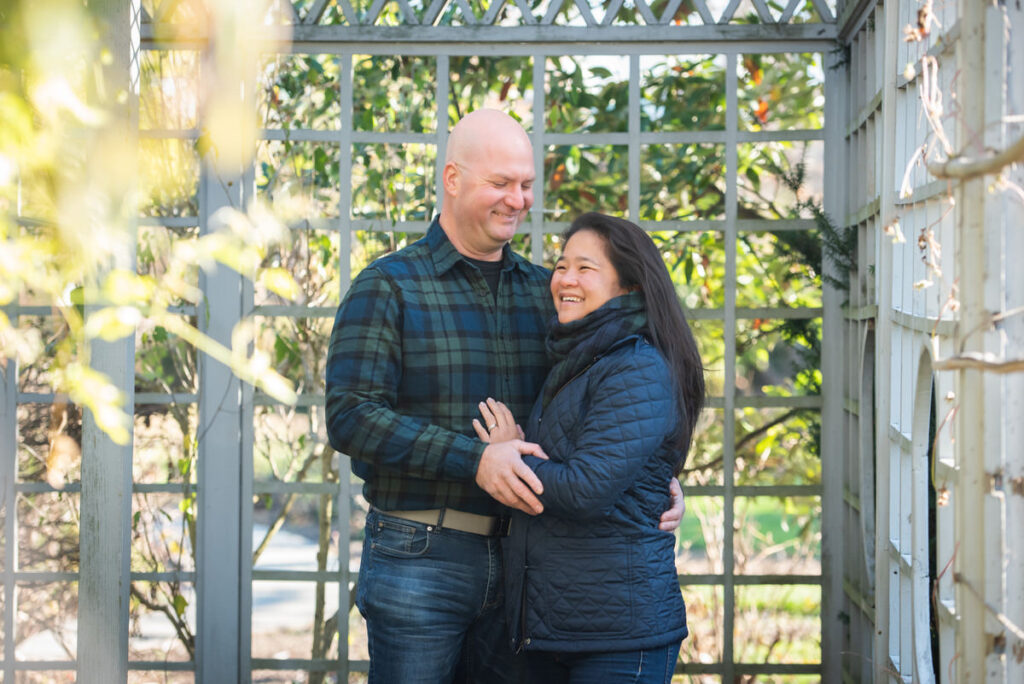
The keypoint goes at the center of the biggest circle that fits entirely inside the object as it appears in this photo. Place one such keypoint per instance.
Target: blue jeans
(649, 666)
(433, 605)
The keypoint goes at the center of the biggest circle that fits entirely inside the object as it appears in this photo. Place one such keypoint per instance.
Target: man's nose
(516, 198)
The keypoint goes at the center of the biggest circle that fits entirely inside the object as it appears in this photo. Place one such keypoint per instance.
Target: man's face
(495, 193)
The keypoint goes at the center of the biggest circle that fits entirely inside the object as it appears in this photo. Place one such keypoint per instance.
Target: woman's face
(584, 277)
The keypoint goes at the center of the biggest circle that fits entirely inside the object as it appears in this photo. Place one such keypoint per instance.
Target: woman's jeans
(648, 666)
(432, 600)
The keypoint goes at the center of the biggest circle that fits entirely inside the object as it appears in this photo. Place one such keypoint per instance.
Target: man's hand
(671, 518)
(504, 476)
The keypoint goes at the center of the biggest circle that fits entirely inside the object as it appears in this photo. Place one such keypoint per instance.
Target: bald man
(422, 336)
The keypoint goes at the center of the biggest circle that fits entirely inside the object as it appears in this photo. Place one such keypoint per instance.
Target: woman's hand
(500, 424)
(673, 517)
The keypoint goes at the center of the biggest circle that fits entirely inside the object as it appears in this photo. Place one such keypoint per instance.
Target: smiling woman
(615, 417)
(584, 278)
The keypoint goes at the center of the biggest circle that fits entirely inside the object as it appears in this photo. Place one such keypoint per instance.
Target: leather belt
(449, 518)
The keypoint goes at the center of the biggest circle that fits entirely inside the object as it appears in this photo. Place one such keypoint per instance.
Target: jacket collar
(575, 346)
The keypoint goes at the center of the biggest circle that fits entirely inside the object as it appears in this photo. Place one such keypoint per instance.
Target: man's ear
(449, 178)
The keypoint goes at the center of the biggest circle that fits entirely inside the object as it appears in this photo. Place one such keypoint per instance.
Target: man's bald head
(479, 132)
(488, 183)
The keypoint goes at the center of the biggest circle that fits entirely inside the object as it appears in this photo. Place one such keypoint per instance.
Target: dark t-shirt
(491, 271)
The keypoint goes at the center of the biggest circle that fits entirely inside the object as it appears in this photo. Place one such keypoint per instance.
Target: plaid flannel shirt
(418, 341)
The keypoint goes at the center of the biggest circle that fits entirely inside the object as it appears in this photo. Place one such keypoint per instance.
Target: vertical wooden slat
(833, 359)
(8, 475)
(920, 473)
(344, 503)
(219, 523)
(345, 174)
(858, 377)
(972, 419)
(219, 469)
(633, 150)
(884, 342)
(729, 389)
(537, 217)
(443, 97)
(1013, 400)
(105, 524)
(246, 470)
(997, 85)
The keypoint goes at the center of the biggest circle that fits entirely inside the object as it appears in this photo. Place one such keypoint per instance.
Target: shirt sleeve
(364, 370)
(630, 415)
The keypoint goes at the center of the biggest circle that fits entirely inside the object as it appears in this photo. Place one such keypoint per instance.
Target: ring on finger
(491, 426)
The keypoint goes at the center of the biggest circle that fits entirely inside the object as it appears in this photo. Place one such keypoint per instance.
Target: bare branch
(286, 508)
(180, 625)
(983, 362)
(967, 167)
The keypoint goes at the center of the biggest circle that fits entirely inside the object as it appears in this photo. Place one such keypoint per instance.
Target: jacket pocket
(582, 587)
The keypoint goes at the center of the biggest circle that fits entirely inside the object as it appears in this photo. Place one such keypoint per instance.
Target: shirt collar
(445, 255)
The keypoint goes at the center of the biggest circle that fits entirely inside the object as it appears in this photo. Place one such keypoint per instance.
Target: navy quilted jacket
(593, 572)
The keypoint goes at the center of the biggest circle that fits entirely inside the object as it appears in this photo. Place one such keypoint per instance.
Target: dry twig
(978, 361)
(971, 167)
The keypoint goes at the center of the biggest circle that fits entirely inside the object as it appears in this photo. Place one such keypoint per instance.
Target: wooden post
(219, 515)
(884, 343)
(834, 358)
(106, 502)
(972, 419)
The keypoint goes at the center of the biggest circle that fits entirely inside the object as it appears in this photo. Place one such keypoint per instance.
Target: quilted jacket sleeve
(631, 411)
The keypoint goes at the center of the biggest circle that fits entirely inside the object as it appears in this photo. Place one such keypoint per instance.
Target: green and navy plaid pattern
(418, 341)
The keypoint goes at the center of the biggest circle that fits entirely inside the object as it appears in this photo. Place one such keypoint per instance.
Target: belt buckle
(503, 526)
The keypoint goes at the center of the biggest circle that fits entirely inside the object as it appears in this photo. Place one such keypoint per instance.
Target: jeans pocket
(396, 538)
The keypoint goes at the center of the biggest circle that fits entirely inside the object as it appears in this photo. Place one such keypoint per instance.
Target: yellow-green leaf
(112, 323)
(180, 604)
(280, 282)
(124, 287)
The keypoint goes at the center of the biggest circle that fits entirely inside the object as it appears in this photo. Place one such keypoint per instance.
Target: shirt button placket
(506, 355)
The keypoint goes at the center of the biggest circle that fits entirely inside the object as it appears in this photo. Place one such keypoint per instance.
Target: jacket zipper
(523, 639)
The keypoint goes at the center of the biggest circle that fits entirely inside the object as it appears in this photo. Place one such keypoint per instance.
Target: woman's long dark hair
(639, 266)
